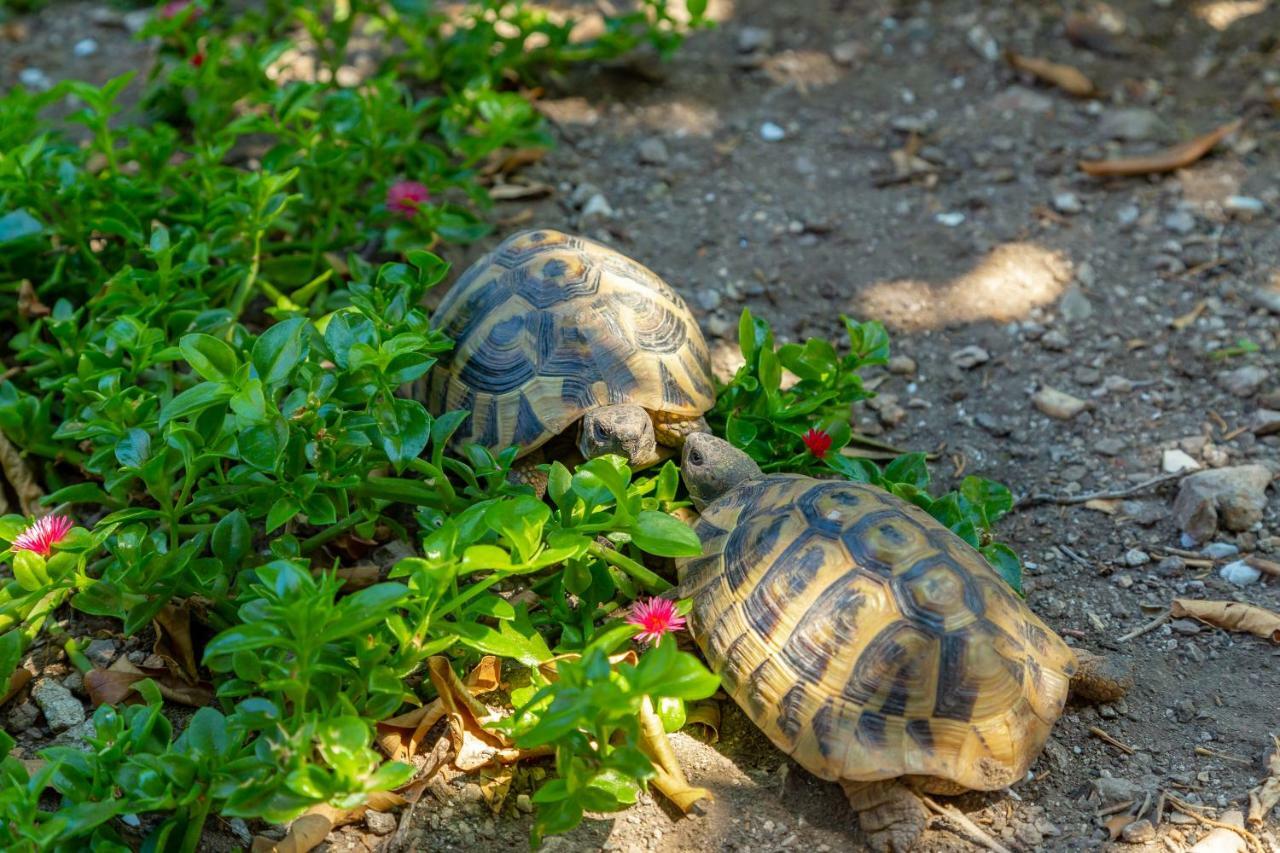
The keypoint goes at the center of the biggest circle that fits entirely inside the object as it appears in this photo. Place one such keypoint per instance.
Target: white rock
(34, 78)
(1232, 497)
(970, 357)
(1244, 381)
(84, 48)
(595, 211)
(1135, 557)
(61, 709)
(771, 132)
(1174, 461)
(1240, 573)
(1058, 404)
(380, 823)
(950, 219)
(1180, 222)
(983, 43)
(1075, 306)
(1244, 206)
(653, 152)
(751, 39)
(1067, 203)
(1132, 123)
(1219, 550)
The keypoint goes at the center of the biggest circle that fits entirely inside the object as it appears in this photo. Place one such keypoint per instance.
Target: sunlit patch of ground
(1005, 285)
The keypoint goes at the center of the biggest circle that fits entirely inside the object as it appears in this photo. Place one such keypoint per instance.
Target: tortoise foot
(891, 817)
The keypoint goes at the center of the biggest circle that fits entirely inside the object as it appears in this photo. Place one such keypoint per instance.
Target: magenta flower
(405, 197)
(817, 441)
(43, 534)
(174, 8)
(657, 616)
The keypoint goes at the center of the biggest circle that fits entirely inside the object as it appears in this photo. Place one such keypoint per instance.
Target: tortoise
(552, 330)
(869, 642)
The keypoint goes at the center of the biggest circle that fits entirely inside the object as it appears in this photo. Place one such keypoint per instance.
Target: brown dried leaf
(305, 834)
(505, 162)
(358, 577)
(1065, 77)
(495, 784)
(705, 714)
(1105, 505)
(29, 304)
(173, 641)
(669, 776)
(1263, 798)
(1116, 823)
(518, 192)
(17, 681)
(1177, 157)
(1231, 616)
(1180, 323)
(19, 477)
(400, 736)
(117, 684)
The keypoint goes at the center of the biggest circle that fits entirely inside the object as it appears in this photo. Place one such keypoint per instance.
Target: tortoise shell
(867, 640)
(548, 326)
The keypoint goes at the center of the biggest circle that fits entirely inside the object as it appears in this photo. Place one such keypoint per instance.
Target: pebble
(1058, 404)
(1028, 835)
(1244, 206)
(1128, 215)
(1219, 550)
(85, 48)
(101, 652)
(1132, 124)
(1233, 497)
(1135, 557)
(653, 152)
(848, 52)
(524, 803)
(34, 78)
(771, 132)
(380, 823)
(708, 299)
(992, 424)
(1171, 565)
(1240, 573)
(970, 357)
(1267, 298)
(1180, 222)
(1067, 203)
(1172, 461)
(902, 365)
(1139, 832)
(1111, 446)
(752, 39)
(983, 43)
(61, 709)
(1244, 381)
(23, 717)
(1022, 99)
(1265, 422)
(137, 19)
(1055, 341)
(719, 325)
(1075, 306)
(950, 219)
(595, 212)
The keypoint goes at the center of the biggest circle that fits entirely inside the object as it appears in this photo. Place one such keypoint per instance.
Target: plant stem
(195, 826)
(329, 532)
(245, 289)
(639, 573)
(437, 476)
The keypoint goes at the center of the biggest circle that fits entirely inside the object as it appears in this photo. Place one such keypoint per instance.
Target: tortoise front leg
(525, 471)
(891, 816)
(671, 430)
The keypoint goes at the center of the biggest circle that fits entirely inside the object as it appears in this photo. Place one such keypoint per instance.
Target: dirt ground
(879, 159)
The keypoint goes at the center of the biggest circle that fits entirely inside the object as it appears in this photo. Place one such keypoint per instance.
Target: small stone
(992, 424)
(1180, 222)
(595, 212)
(1244, 381)
(85, 48)
(771, 132)
(848, 53)
(380, 823)
(719, 325)
(752, 39)
(61, 709)
(1219, 550)
(1028, 835)
(1128, 215)
(1244, 206)
(1233, 497)
(1240, 573)
(1139, 832)
(1188, 628)
(1265, 422)
(1022, 99)
(1135, 557)
(23, 717)
(101, 652)
(137, 19)
(1173, 461)
(1075, 306)
(970, 357)
(524, 803)
(983, 43)
(1131, 124)
(1067, 203)
(653, 152)
(1055, 341)
(708, 299)
(240, 830)
(34, 78)
(1058, 404)
(1267, 298)
(951, 219)
(902, 365)
(1111, 446)
(1171, 565)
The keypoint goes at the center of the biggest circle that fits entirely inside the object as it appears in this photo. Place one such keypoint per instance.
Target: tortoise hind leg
(671, 430)
(525, 471)
(891, 815)
(1100, 678)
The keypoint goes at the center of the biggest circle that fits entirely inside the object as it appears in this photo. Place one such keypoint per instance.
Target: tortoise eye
(695, 457)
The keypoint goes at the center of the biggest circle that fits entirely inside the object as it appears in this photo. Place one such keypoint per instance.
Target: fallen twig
(974, 831)
(1213, 753)
(1032, 500)
(1106, 738)
(1145, 629)
(1187, 809)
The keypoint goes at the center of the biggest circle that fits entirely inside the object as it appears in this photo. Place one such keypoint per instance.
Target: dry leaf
(29, 304)
(1106, 505)
(517, 192)
(19, 477)
(17, 681)
(358, 577)
(669, 777)
(1177, 157)
(1263, 798)
(1188, 318)
(116, 684)
(399, 737)
(707, 715)
(1068, 79)
(306, 833)
(495, 784)
(1230, 615)
(1116, 823)
(173, 641)
(504, 162)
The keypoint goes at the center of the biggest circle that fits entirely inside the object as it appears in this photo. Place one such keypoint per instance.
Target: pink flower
(404, 197)
(817, 441)
(196, 60)
(657, 616)
(43, 534)
(174, 8)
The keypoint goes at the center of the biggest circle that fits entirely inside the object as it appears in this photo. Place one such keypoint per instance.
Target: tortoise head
(712, 467)
(624, 429)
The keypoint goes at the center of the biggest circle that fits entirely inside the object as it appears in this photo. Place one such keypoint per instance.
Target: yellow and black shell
(867, 640)
(548, 326)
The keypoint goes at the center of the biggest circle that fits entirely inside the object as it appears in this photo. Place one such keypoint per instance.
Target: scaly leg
(891, 815)
(525, 471)
(671, 430)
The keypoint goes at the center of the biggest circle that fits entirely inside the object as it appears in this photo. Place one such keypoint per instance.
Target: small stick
(1066, 500)
(1267, 567)
(1250, 839)
(1073, 555)
(1106, 738)
(1235, 432)
(1147, 628)
(1213, 753)
(974, 831)
(1116, 808)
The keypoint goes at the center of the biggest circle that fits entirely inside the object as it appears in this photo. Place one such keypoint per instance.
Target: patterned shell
(867, 640)
(548, 326)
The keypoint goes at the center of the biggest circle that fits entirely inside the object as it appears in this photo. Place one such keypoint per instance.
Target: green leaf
(29, 571)
(281, 511)
(195, 400)
(210, 357)
(664, 536)
(232, 538)
(279, 349)
(1006, 563)
(991, 499)
(910, 468)
(18, 225)
(134, 449)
